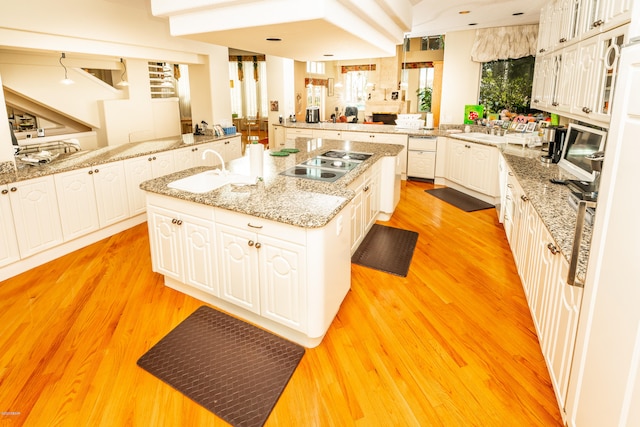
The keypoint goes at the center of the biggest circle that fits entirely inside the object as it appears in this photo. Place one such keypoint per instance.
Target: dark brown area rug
(231, 368)
(459, 199)
(386, 249)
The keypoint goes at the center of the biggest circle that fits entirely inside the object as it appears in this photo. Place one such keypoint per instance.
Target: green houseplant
(424, 98)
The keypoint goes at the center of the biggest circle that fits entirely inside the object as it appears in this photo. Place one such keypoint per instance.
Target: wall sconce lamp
(66, 80)
(123, 82)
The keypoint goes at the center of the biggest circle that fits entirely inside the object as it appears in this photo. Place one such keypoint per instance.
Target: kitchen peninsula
(277, 253)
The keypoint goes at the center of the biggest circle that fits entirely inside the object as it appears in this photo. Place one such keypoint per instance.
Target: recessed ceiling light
(474, 23)
(274, 39)
(464, 12)
(518, 13)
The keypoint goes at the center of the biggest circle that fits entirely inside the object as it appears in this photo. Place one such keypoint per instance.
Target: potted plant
(424, 99)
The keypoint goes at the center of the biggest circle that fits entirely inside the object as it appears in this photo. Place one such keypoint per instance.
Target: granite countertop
(87, 158)
(355, 127)
(549, 200)
(294, 201)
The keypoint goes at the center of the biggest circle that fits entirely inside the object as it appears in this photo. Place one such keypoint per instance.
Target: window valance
(505, 43)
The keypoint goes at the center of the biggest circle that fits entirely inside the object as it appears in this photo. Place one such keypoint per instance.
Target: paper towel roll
(255, 159)
(429, 120)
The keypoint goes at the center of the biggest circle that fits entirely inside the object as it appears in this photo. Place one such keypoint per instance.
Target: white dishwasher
(421, 162)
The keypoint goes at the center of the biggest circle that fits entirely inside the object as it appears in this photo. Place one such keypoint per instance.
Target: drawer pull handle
(253, 226)
(510, 185)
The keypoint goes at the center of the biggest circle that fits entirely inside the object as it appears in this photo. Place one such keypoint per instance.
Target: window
(432, 43)
(315, 67)
(425, 88)
(248, 96)
(357, 88)
(506, 84)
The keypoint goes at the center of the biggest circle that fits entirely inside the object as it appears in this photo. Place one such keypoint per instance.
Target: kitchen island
(276, 254)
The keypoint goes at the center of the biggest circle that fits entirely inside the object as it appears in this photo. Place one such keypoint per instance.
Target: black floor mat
(459, 199)
(231, 368)
(387, 249)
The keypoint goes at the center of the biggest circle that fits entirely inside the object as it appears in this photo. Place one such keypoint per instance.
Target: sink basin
(204, 182)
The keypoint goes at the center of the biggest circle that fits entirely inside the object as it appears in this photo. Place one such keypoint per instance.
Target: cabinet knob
(555, 103)
(13, 189)
(543, 50)
(96, 170)
(5, 191)
(524, 198)
(250, 243)
(179, 222)
(173, 221)
(510, 185)
(598, 23)
(90, 172)
(562, 40)
(150, 159)
(258, 245)
(154, 157)
(554, 250)
(587, 110)
(535, 101)
(366, 188)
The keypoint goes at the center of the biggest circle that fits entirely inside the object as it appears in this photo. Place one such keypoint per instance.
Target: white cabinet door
(112, 202)
(183, 246)
(238, 267)
(200, 263)
(277, 138)
(567, 78)
(233, 149)
(77, 202)
(587, 69)
(8, 243)
(371, 199)
(166, 242)
(161, 163)
(482, 170)
(456, 160)
(35, 213)
(283, 282)
(540, 301)
(186, 158)
(137, 170)
(566, 310)
(609, 49)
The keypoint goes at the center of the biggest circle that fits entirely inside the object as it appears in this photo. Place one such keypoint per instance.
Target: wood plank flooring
(452, 344)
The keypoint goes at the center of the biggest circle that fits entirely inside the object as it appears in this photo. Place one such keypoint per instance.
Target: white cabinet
(263, 268)
(91, 198)
(601, 15)
(473, 166)
(229, 149)
(564, 312)
(578, 53)
(144, 168)
(293, 133)
(8, 243)
(327, 134)
(365, 206)
(277, 138)
(35, 215)
(554, 305)
(183, 245)
(189, 157)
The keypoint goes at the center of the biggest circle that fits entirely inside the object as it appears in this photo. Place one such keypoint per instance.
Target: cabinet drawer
(423, 144)
(265, 227)
(297, 133)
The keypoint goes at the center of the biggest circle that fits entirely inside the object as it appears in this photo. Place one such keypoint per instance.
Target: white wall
(6, 149)
(280, 75)
(116, 29)
(461, 77)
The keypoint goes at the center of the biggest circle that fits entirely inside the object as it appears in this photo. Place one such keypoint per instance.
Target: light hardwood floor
(452, 344)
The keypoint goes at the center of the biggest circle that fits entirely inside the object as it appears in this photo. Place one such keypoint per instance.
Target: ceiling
(334, 29)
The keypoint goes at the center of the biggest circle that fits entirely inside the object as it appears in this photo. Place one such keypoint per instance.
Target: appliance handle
(572, 278)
